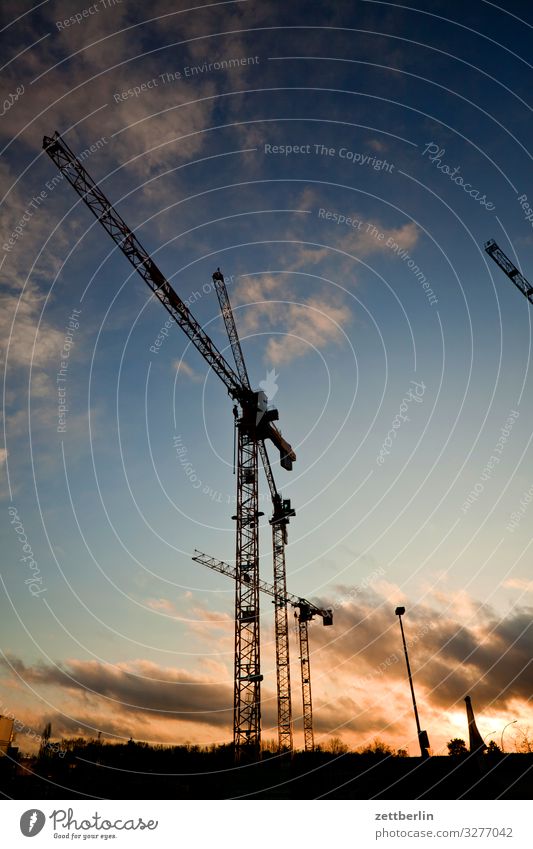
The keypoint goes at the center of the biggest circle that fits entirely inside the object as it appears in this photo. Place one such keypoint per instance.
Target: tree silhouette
(45, 740)
(336, 746)
(457, 748)
(377, 747)
(523, 740)
(493, 748)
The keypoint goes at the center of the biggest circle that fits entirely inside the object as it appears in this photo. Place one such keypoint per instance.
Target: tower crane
(501, 259)
(306, 611)
(254, 426)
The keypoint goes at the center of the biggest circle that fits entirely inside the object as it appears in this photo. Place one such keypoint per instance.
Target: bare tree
(376, 747)
(336, 746)
(523, 741)
(45, 740)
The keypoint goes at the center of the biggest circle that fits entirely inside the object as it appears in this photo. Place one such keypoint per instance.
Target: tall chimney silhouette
(477, 744)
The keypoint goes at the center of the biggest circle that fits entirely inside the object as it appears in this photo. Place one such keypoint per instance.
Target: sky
(344, 165)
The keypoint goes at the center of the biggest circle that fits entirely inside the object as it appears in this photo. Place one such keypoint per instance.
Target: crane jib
(121, 234)
(237, 384)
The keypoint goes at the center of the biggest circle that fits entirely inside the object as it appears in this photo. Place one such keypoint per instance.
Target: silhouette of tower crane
(254, 425)
(306, 611)
(282, 512)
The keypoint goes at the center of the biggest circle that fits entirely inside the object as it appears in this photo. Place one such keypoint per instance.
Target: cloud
(367, 238)
(377, 145)
(374, 236)
(3, 456)
(519, 584)
(370, 238)
(25, 227)
(85, 76)
(205, 620)
(358, 668)
(304, 310)
(137, 698)
(26, 342)
(215, 618)
(300, 322)
(187, 371)
(258, 287)
(482, 654)
(315, 324)
(138, 686)
(162, 605)
(77, 86)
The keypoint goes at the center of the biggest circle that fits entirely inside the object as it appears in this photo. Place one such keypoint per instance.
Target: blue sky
(359, 112)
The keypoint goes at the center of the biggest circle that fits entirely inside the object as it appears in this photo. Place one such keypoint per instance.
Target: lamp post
(503, 732)
(423, 739)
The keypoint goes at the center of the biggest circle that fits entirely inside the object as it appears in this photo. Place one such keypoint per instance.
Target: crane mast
(304, 615)
(254, 426)
(281, 630)
(280, 519)
(247, 696)
(305, 612)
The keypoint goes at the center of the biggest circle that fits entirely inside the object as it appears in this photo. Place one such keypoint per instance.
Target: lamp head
(399, 611)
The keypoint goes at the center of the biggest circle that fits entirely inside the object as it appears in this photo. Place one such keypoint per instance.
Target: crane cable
(235, 414)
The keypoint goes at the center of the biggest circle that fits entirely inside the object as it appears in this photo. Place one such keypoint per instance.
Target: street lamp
(423, 739)
(503, 732)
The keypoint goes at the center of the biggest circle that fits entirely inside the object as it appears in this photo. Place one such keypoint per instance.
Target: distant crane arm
(309, 609)
(501, 259)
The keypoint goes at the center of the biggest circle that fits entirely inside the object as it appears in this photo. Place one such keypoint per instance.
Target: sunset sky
(243, 135)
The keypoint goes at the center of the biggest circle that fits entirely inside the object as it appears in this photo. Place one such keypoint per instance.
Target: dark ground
(308, 776)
